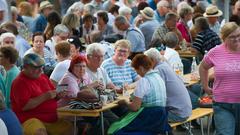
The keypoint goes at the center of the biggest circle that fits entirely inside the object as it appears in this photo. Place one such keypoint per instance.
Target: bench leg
(189, 128)
(209, 122)
(201, 124)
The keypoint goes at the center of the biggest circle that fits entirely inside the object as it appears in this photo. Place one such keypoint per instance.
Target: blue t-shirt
(11, 121)
(120, 74)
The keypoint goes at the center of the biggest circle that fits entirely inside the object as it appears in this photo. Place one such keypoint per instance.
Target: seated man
(178, 100)
(95, 55)
(34, 100)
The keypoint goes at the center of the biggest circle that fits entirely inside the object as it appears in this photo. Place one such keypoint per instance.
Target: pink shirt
(227, 74)
(74, 85)
(184, 31)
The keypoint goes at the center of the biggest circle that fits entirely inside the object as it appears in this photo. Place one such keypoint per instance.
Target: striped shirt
(120, 74)
(206, 40)
(227, 74)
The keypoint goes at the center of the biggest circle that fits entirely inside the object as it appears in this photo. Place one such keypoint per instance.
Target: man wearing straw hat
(212, 13)
(41, 22)
(149, 24)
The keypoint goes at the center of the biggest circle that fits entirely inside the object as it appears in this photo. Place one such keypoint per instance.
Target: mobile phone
(62, 87)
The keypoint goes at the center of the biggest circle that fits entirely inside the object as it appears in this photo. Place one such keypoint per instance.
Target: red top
(184, 31)
(25, 88)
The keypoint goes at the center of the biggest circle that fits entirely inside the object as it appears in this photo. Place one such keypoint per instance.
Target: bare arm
(36, 101)
(203, 71)
(134, 105)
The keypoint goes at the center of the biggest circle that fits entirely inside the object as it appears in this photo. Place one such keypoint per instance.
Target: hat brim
(145, 16)
(48, 6)
(215, 15)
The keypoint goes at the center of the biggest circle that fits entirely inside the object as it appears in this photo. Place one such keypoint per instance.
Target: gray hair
(170, 15)
(5, 35)
(60, 28)
(154, 54)
(94, 47)
(171, 39)
(202, 23)
(121, 19)
(124, 10)
(76, 6)
(89, 9)
(185, 10)
(163, 3)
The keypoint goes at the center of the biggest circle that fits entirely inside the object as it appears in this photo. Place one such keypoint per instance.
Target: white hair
(163, 3)
(124, 10)
(89, 9)
(181, 5)
(76, 6)
(6, 35)
(94, 47)
(154, 54)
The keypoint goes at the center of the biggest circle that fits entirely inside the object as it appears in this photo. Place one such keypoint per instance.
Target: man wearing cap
(41, 22)
(212, 13)
(34, 100)
(149, 24)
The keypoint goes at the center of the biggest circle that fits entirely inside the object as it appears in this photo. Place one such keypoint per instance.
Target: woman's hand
(97, 85)
(208, 90)
(61, 94)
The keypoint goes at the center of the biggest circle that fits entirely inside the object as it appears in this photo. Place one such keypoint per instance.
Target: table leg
(75, 125)
(102, 123)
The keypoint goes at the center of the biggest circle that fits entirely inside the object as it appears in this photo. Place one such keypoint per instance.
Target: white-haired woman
(8, 39)
(185, 14)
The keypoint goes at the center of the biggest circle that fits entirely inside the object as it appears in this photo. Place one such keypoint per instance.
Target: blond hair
(227, 29)
(123, 43)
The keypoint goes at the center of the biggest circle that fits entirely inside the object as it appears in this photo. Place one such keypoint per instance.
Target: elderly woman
(225, 61)
(8, 58)
(147, 104)
(79, 85)
(8, 39)
(177, 112)
(185, 14)
(118, 67)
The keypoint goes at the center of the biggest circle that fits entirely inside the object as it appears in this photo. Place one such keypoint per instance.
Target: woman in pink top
(77, 80)
(185, 14)
(225, 59)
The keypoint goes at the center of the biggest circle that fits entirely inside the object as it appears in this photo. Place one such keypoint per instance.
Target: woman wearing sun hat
(212, 13)
(226, 63)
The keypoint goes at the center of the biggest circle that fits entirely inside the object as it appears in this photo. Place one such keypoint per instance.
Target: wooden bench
(197, 114)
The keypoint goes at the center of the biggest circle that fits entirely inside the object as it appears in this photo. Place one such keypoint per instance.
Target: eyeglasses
(122, 50)
(234, 38)
(9, 42)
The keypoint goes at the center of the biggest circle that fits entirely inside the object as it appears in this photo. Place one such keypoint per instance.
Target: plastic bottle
(194, 70)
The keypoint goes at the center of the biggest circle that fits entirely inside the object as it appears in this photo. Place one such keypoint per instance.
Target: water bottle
(194, 70)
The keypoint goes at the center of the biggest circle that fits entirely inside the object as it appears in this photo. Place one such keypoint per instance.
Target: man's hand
(51, 94)
(61, 94)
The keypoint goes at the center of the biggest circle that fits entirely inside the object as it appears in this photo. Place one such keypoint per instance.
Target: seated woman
(148, 103)
(8, 58)
(80, 85)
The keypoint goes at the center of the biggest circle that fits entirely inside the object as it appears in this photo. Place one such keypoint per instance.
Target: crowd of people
(92, 45)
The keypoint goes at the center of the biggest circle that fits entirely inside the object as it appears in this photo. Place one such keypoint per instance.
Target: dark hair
(37, 34)
(9, 53)
(103, 15)
(235, 18)
(142, 60)
(76, 42)
(75, 60)
(54, 18)
(202, 23)
(114, 9)
(10, 27)
(142, 5)
(195, 16)
(63, 48)
(88, 17)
